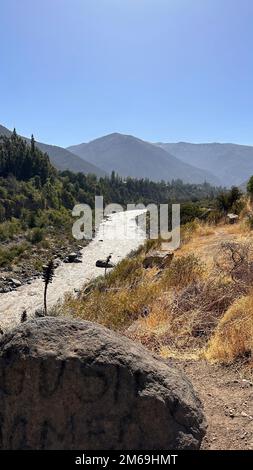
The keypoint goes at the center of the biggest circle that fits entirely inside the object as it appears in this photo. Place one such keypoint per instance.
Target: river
(118, 236)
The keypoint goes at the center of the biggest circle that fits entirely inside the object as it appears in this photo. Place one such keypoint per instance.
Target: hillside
(231, 163)
(36, 203)
(195, 312)
(129, 156)
(61, 158)
(192, 308)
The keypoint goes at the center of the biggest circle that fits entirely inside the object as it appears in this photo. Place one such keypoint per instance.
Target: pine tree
(32, 144)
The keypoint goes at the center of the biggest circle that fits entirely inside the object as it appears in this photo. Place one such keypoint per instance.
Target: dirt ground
(226, 392)
(227, 396)
(207, 246)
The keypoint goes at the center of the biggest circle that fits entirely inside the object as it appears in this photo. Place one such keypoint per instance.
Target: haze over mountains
(130, 156)
(218, 164)
(61, 158)
(231, 163)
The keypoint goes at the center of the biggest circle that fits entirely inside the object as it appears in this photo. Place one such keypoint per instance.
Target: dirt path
(226, 393)
(227, 396)
(207, 245)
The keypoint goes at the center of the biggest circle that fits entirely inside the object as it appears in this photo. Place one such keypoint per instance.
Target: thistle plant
(48, 275)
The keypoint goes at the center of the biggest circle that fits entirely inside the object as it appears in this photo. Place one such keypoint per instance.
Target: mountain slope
(61, 158)
(129, 156)
(232, 163)
(4, 131)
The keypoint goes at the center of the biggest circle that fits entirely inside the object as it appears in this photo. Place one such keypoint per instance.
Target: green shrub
(36, 236)
(9, 229)
(7, 255)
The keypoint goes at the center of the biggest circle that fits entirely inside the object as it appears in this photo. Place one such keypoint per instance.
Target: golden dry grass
(233, 337)
(185, 310)
(119, 298)
(131, 292)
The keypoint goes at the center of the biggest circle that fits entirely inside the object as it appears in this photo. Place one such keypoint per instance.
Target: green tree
(24, 162)
(234, 195)
(222, 201)
(250, 187)
(32, 144)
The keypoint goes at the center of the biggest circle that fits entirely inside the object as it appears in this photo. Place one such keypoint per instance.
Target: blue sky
(163, 70)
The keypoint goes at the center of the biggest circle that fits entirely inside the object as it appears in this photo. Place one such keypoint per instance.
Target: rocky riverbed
(29, 266)
(117, 236)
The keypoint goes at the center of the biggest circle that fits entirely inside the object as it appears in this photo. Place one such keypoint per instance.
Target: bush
(127, 271)
(9, 229)
(36, 235)
(236, 260)
(9, 254)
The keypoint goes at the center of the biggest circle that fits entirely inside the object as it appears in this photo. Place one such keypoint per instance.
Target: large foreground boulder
(75, 385)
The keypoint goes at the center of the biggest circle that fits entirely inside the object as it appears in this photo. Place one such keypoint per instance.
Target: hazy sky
(163, 70)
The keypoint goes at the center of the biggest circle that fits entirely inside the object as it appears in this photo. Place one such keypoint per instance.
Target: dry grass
(131, 292)
(183, 271)
(188, 309)
(118, 299)
(114, 308)
(195, 229)
(204, 229)
(233, 338)
(182, 320)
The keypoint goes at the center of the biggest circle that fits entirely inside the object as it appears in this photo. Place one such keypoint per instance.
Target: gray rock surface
(67, 384)
(73, 258)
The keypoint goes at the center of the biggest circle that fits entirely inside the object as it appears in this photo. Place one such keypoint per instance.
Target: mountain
(61, 158)
(231, 163)
(129, 156)
(4, 131)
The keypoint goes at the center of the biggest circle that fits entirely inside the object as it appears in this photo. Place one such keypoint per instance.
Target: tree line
(32, 191)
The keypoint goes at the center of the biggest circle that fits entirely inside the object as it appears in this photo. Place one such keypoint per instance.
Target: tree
(229, 200)
(14, 134)
(234, 195)
(48, 274)
(24, 162)
(113, 176)
(223, 202)
(32, 144)
(250, 187)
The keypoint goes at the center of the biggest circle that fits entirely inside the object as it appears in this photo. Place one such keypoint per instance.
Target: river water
(118, 236)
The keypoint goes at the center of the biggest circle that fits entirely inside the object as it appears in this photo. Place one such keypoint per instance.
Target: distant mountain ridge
(129, 156)
(220, 164)
(231, 163)
(61, 158)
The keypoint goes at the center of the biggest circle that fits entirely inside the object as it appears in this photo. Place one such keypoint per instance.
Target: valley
(219, 164)
(193, 311)
(70, 277)
(126, 233)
